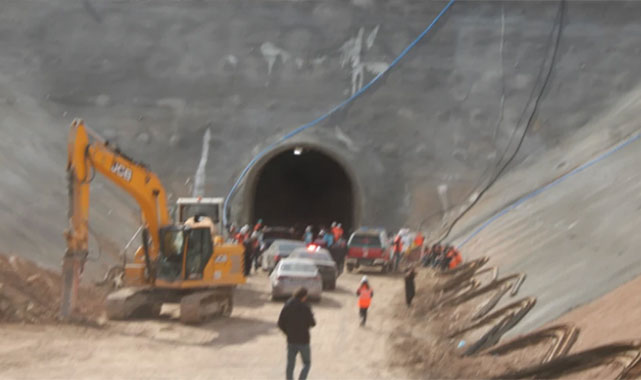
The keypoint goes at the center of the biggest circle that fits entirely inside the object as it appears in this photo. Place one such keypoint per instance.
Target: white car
(291, 274)
(323, 261)
(279, 249)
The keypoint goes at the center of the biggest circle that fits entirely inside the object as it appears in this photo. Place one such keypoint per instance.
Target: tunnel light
(298, 151)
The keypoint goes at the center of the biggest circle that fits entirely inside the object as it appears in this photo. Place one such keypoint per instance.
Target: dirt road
(246, 346)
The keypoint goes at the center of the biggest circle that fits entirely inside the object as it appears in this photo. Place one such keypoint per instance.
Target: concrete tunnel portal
(303, 186)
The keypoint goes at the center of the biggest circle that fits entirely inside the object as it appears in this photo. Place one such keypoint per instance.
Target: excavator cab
(184, 253)
(172, 252)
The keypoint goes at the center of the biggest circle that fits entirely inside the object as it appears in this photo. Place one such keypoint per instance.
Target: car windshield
(297, 267)
(365, 241)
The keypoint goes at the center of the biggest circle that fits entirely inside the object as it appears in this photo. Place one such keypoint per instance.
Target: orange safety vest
(456, 260)
(365, 298)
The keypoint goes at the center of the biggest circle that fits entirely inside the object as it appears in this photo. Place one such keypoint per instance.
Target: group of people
(441, 257)
(326, 237)
(333, 239)
(251, 239)
(403, 245)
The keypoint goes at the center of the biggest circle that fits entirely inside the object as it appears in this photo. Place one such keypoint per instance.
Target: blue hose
(538, 191)
(333, 110)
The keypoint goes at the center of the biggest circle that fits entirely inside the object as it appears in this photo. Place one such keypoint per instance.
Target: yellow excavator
(184, 262)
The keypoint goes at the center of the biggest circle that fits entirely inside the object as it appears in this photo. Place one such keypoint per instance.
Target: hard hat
(333, 224)
(245, 229)
(364, 279)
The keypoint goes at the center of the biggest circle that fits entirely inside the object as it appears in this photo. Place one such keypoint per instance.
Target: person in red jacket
(365, 294)
(337, 231)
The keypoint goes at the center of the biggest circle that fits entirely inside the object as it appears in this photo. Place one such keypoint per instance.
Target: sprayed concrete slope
(577, 240)
(152, 76)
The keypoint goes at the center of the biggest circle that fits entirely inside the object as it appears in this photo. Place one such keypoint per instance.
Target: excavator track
(129, 303)
(203, 305)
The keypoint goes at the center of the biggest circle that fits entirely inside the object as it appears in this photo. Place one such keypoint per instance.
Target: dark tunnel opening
(300, 187)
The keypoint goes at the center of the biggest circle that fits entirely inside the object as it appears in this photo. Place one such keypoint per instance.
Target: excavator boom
(87, 152)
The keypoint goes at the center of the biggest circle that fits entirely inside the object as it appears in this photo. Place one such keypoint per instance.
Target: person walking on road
(410, 287)
(365, 294)
(295, 320)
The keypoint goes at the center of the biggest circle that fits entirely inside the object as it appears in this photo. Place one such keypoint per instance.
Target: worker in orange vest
(333, 229)
(418, 240)
(458, 259)
(365, 294)
(339, 231)
(454, 258)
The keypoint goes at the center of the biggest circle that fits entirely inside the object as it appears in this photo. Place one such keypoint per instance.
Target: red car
(368, 247)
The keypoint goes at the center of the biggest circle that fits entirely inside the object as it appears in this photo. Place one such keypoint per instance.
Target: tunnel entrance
(303, 186)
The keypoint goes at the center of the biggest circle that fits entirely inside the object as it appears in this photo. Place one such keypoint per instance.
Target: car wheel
(332, 285)
(350, 268)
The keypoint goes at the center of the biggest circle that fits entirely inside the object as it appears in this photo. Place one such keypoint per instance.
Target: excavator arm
(89, 154)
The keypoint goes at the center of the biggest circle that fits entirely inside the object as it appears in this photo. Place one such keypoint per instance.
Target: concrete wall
(576, 240)
(152, 75)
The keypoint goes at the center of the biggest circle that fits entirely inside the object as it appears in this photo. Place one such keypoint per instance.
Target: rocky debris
(422, 346)
(31, 294)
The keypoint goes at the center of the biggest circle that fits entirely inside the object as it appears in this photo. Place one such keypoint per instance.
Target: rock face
(156, 75)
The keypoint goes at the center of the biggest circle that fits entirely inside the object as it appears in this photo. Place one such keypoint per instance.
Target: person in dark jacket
(339, 252)
(248, 245)
(295, 320)
(410, 287)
